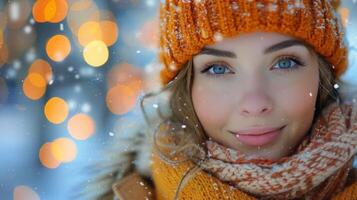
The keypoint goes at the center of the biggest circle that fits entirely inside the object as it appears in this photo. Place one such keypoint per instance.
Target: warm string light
(58, 48)
(34, 86)
(52, 11)
(42, 68)
(23, 192)
(61, 150)
(125, 85)
(96, 53)
(81, 126)
(56, 110)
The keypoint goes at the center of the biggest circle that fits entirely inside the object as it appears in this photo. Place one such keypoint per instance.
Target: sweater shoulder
(348, 193)
(166, 178)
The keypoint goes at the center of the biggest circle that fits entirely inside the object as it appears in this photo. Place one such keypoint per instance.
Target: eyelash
(295, 59)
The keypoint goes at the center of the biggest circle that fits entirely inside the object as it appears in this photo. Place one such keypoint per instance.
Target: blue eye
(217, 69)
(288, 63)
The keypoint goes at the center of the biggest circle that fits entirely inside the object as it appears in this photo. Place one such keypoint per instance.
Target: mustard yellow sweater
(203, 186)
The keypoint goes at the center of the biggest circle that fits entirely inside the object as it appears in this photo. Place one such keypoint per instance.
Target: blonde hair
(189, 144)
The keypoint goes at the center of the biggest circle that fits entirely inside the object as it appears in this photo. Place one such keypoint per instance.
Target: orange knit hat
(188, 25)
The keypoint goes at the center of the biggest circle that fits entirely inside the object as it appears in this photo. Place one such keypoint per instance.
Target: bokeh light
(64, 150)
(96, 53)
(344, 13)
(56, 110)
(34, 86)
(148, 35)
(81, 11)
(126, 74)
(46, 156)
(106, 31)
(53, 11)
(56, 10)
(109, 32)
(58, 48)
(43, 68)
(81, 126)
(38, 11)
(23, 192)
(89, 32)
(120, 99)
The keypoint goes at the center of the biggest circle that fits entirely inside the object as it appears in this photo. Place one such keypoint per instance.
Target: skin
(256, 89)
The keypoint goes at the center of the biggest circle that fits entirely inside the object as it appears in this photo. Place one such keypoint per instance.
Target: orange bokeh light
(106, 31)
(148, 35)
(52, 11)
(344, 13)
(58, 48)
(61, 11)
(123, 73)
(120, 99)
(128, 75)
(46, 156)
(89, 32)
(81, 126)
(78, 15)
(56, 110)
(43, 68)
(136, 86)
(37, 11)
(34, 86)
(23, 192)
(64, 150)
(109, 32)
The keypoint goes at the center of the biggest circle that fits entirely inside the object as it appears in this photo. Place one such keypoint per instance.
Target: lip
(257, 130)
(258, 136)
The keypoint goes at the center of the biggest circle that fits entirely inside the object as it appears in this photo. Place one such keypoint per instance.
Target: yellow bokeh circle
(96, 53)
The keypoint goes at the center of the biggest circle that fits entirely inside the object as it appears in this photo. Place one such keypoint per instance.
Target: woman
(256, 72)
(255, 109)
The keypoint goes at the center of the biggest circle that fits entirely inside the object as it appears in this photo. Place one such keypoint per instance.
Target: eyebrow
(285, 44)
(273, 48)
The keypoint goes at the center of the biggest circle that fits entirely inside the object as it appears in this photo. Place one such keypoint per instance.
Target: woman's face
(253, 84)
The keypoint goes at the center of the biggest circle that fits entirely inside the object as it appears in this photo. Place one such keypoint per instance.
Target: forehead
(250, 40)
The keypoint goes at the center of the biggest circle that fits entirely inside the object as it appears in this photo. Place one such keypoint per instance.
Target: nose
(255, 104)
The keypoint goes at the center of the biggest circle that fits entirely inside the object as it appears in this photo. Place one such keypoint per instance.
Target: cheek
(212, 106)
(298, 98)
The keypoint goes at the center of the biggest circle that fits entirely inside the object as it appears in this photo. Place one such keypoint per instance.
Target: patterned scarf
(317, 170)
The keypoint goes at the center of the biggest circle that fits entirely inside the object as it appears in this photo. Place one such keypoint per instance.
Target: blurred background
(71, 73)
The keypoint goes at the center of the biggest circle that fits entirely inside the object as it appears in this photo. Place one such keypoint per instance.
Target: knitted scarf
(318, 169)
